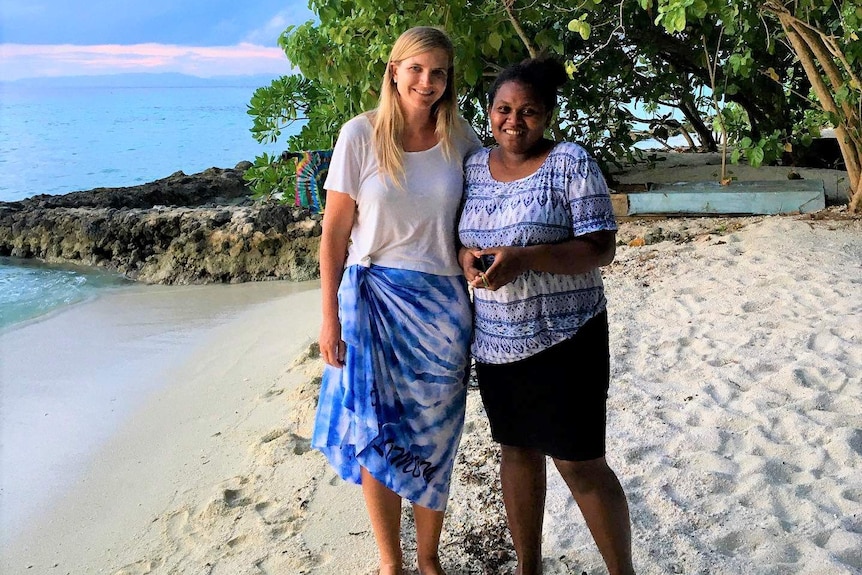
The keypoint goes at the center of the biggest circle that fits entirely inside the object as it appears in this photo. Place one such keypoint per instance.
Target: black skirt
(555, 401)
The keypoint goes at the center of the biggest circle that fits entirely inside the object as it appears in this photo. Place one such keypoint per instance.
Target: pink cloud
(27, 61)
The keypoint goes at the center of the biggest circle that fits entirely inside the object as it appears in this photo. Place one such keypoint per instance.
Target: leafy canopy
(640, 69)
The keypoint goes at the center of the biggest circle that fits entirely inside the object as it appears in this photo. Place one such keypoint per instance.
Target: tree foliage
(825, 38)
(640, 69)
(821, 36)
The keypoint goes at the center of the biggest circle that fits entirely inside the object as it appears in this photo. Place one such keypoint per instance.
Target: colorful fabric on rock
(397, 406)
(312, 168)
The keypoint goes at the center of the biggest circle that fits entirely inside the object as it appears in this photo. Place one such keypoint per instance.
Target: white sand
(72, 378)
(735, 428)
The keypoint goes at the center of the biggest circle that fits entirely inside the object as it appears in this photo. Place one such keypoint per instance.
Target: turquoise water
(29, 289)
(60, 139)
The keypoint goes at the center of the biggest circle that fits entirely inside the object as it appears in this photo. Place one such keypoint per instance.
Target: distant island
(169, 80)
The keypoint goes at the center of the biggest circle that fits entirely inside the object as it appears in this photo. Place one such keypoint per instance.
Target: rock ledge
(181, 229)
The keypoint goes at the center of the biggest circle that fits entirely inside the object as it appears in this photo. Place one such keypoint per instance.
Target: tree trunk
(704, 134)
(821, 54)
(856, 198)
(850, 149)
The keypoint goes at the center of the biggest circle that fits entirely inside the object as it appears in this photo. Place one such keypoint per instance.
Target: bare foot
(391, 570)
(431, 566)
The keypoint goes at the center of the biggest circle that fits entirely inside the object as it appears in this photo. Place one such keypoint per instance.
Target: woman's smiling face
(421, 79)
(518, 118)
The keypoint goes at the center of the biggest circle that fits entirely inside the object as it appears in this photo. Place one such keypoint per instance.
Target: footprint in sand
(231, 494)
(855, 441)
(178, 527)
(311, 353)
(301, 445)
(273, 435)
(236, 498)
(296, 560)
(139, 568)
(287, 510)
(853, 494)
(275, 392)
(278, 514)
(806, 377)
(296, 444)
(846, 546)
(638, 453)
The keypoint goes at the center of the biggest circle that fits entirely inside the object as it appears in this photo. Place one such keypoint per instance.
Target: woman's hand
(470, 263)
(332, 347)
(508, 264)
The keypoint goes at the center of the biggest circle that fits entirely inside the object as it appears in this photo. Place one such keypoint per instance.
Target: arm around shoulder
(470, 142)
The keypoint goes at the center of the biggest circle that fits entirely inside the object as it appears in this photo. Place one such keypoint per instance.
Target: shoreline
(75, 375)
(53, 297)
(204, 228)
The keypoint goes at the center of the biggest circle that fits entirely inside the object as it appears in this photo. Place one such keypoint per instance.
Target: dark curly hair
(543, 76)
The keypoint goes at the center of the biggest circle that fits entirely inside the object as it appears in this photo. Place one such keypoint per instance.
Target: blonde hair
(388, 120)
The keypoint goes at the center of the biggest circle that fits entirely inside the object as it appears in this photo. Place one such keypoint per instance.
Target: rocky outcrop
(213, 186)
(179, 230)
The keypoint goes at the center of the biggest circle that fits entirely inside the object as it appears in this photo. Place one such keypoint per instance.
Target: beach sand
(735, 426)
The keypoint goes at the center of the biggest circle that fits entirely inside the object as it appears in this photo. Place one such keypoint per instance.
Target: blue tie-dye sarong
(397, 406)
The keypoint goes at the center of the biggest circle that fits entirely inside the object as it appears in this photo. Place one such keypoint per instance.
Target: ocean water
(57, 138)
(29, 289)
(60, 139)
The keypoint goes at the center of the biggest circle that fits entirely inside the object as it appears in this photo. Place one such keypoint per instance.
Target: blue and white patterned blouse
(566, 197)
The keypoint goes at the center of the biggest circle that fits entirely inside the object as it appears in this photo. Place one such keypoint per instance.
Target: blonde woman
(396, 316)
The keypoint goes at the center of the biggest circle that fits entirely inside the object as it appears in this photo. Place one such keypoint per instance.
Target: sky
(205, 38)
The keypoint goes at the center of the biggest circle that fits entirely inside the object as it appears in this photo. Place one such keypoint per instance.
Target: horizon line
(23, 61)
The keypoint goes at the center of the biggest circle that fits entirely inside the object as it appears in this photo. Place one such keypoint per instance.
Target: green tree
(341, 60)
(823, 38)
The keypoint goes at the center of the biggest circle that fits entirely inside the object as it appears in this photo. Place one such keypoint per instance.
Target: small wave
(30, 290)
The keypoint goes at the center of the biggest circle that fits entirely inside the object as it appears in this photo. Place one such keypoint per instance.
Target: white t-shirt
(410, 227)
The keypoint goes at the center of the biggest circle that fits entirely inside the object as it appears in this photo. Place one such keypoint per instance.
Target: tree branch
(510, 12)
(724, 178)
(827, 40)
(818, 50)
(849, 148)
(617, 28)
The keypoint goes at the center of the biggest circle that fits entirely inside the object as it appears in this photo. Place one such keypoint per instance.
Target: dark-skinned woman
(536, 226)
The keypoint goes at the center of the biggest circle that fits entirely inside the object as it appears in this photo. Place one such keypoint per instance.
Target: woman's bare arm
(337, 224)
